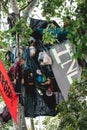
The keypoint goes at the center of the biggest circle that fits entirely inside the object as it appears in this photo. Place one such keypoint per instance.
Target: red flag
(7, 92)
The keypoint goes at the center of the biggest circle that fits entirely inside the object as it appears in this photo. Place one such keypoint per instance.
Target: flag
(64, 67)
(7, 92)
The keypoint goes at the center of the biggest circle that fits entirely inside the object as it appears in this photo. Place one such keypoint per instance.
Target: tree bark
(32, 124)
(29, 8)
(21, 125)
(14, 6)
(0, 16)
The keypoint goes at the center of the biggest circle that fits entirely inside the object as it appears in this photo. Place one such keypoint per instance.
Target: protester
(67, 21)
(16, 74)
(48, 95)
(62, 32)
(29, 83)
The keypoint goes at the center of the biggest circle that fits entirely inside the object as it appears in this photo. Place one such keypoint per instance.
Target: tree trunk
(32, 124)
(21, 125)
(29, 9)
(0, 16)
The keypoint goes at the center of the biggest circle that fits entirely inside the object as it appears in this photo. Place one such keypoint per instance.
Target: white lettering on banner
(69, 50)
(56, 56)
(72, 69)
(69, 76)
(63, 64)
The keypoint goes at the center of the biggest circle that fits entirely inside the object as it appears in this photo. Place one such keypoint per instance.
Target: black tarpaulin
(39, 106)
(37, 23)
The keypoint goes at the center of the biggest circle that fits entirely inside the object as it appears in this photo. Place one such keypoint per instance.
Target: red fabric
(15, 69)
(7, 92)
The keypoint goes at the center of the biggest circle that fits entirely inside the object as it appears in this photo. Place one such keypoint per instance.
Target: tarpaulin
(37, 23)
(65, 68)
(40, 106)
(36, 102)
(7, 92)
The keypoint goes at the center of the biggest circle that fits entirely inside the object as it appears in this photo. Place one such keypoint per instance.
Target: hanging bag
(43, 56)
(47, 59)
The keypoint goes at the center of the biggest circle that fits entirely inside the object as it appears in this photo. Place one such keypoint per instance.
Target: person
(47, 82)
(29, 53)
(59, 33)
(62, 32)
(48, 96)
(30, 88)
(67, 21)
(29, 82)
(16, 74)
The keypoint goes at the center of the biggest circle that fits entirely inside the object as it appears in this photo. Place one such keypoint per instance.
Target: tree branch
(4, 5)
(29, 8)
(26, 5)
(6, 2)
(14, 6)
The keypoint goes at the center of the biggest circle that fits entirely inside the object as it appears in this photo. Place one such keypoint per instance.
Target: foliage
(0, 98)
(73, 112)
(51, 123)
(3, 49)
(22, 28)
(50, 8)
(48, 37)
(78, 35)
(5, 126)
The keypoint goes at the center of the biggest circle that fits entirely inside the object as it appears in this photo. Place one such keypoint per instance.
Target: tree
(50, 8)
